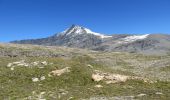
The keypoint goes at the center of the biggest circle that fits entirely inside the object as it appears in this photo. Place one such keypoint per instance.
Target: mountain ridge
(81, 37)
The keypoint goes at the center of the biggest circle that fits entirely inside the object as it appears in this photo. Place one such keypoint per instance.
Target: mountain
(75, 36)
(81, 37)
(146, 44)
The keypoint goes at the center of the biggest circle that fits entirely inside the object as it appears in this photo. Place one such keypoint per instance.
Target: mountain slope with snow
(81, 37)
(133, 38)
(136, 37)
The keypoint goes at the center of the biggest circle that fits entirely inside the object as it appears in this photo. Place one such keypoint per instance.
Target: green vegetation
(18, 84)
(77, 84)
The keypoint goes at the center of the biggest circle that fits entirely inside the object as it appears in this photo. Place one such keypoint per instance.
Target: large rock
(60, 71)
(108, 77)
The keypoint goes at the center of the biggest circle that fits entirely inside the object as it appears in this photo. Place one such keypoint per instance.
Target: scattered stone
(41, 99)
(35, 79)
(44, 63)
(113, 78)
(123, 98)
(159, 93)
(97, 77)
(141, 95)
(35, 63)
(41, 96)
(111, 98)
(70, 98)
(41, 67)
(42, 78)
(108, 78)
(90, 66)
(23, 63)
(60, 72)
(42, 93)
(12, 68)
(63, 92)
(98, 86)
(9, 65)
(49, 75)
(33, 92)
(18, 63)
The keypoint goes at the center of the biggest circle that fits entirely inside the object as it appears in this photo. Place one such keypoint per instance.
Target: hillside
(33, 72)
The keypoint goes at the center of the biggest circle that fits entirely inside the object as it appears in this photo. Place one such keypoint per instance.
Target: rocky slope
(80, 37)
(34, 72)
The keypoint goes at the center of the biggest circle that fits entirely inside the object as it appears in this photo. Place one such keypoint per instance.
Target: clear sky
(26, 19)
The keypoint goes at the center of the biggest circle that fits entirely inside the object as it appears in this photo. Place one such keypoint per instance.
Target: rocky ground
(30, 72)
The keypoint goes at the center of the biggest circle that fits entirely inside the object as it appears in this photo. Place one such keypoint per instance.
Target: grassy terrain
(77, 84)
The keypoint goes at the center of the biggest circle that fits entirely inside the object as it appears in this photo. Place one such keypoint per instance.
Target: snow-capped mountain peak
(75, 29)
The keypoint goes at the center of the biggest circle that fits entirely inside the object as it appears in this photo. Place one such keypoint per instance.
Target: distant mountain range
(81, 37)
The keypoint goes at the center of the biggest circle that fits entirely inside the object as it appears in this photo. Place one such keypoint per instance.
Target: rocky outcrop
(60, 71)
(109, 78)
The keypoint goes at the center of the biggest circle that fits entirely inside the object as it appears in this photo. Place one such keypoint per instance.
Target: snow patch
(97, 34)
(133, 38)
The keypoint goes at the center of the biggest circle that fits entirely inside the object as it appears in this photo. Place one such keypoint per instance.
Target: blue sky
(26, 19)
